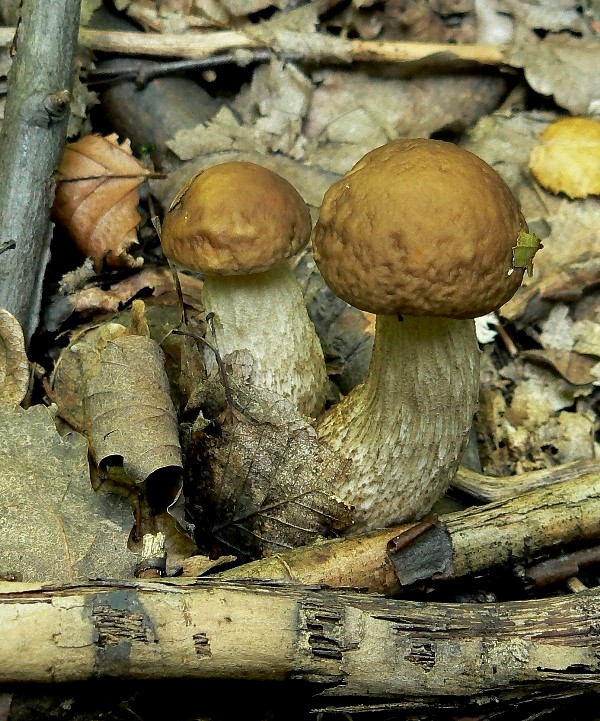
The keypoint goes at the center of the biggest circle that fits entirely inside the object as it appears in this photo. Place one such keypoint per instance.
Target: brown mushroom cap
(235, 218)
(420, 227)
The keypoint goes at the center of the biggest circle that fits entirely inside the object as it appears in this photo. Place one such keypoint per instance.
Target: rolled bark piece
(32, 139)
(351, 644)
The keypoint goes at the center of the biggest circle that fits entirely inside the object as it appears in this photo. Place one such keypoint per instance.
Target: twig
(208, 44)
(32, 139)
(563, 567)
(498, 488)
(457, 544)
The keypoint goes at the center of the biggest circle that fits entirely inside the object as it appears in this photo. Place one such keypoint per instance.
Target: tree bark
(31, 142)
(350, 644)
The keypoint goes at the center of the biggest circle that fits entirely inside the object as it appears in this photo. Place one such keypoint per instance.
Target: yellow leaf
(567, 159)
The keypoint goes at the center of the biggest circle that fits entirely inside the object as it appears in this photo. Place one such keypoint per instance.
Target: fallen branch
(350, 644)
(322, 47)
(456, 545)
(498, 488)
(32, 138)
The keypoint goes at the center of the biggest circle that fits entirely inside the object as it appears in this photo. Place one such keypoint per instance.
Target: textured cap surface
(235, 218)
(420, 227)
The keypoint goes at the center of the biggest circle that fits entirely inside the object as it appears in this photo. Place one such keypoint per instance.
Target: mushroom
(238, 223)
(421, 233)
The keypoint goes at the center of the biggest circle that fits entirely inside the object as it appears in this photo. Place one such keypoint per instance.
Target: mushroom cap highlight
(420, 227)
(235, 218)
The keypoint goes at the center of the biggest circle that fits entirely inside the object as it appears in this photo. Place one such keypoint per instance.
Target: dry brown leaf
(96, 199)
(14, 366)
(54, 527)
(567, 158)
(260, 484)
(131, 416)
(560, 65)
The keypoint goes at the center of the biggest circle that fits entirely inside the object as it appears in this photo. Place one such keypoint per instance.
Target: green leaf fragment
(527, 246)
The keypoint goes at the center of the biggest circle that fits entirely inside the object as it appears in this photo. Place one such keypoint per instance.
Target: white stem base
(406, 426)
(265, 314)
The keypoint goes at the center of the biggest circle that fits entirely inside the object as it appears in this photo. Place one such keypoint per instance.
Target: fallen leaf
(114, 384)
(561, 66)
(131, 418)
(54, 526)
(567, 158)
(259, 484)
(546, 14)
(96, 199)
(14, 366)
(351, 112)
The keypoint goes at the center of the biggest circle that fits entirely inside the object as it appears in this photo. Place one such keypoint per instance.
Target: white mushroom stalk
(264, 313)
(424, 230)
(238, 224)
(406, 426)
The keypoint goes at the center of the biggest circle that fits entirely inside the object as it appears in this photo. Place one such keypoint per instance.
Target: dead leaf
(567, 158)
(561, 66)
(131, 417)
(259, 485)
(552, 15)
(14, 366)
(196, 566)
(54, 526)
(96, 199)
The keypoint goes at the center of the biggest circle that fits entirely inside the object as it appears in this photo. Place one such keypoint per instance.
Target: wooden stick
(32, 139)
(499, 488)
(457, 544)
(349, 644)
(205, 44)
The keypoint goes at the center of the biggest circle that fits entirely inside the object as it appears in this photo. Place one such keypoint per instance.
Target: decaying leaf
(560, 65)
(552, 15)
(53, 526)
(14, 366)
(113, 383)
(131, 415)
(259, 484)
(352, 112)
(96, 198)
(567, 158)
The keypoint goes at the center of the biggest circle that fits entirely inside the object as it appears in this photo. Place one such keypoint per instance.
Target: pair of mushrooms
(420, 232)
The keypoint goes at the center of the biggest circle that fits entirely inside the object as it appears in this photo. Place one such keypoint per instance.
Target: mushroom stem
(405, 427)
(264, 313)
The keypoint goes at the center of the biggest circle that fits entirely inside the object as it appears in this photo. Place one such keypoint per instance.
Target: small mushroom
(238, 224)
(421, 233)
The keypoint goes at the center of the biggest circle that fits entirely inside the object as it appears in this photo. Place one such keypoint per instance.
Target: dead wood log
(455, 545)
(32, 138)
(351, 644)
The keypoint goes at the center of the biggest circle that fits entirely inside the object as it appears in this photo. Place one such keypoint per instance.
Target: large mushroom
(422, 233)
(238, 223)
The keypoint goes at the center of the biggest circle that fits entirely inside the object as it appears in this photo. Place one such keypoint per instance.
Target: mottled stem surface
(264, 313)
(406, 426)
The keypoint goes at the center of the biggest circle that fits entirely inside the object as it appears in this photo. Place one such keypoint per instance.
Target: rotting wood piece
(350, 644)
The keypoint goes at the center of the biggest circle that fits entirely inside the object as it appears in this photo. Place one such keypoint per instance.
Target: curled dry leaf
(96, 199)
(259, 485)
(14, 366)
(114, 384)
(567, 158)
